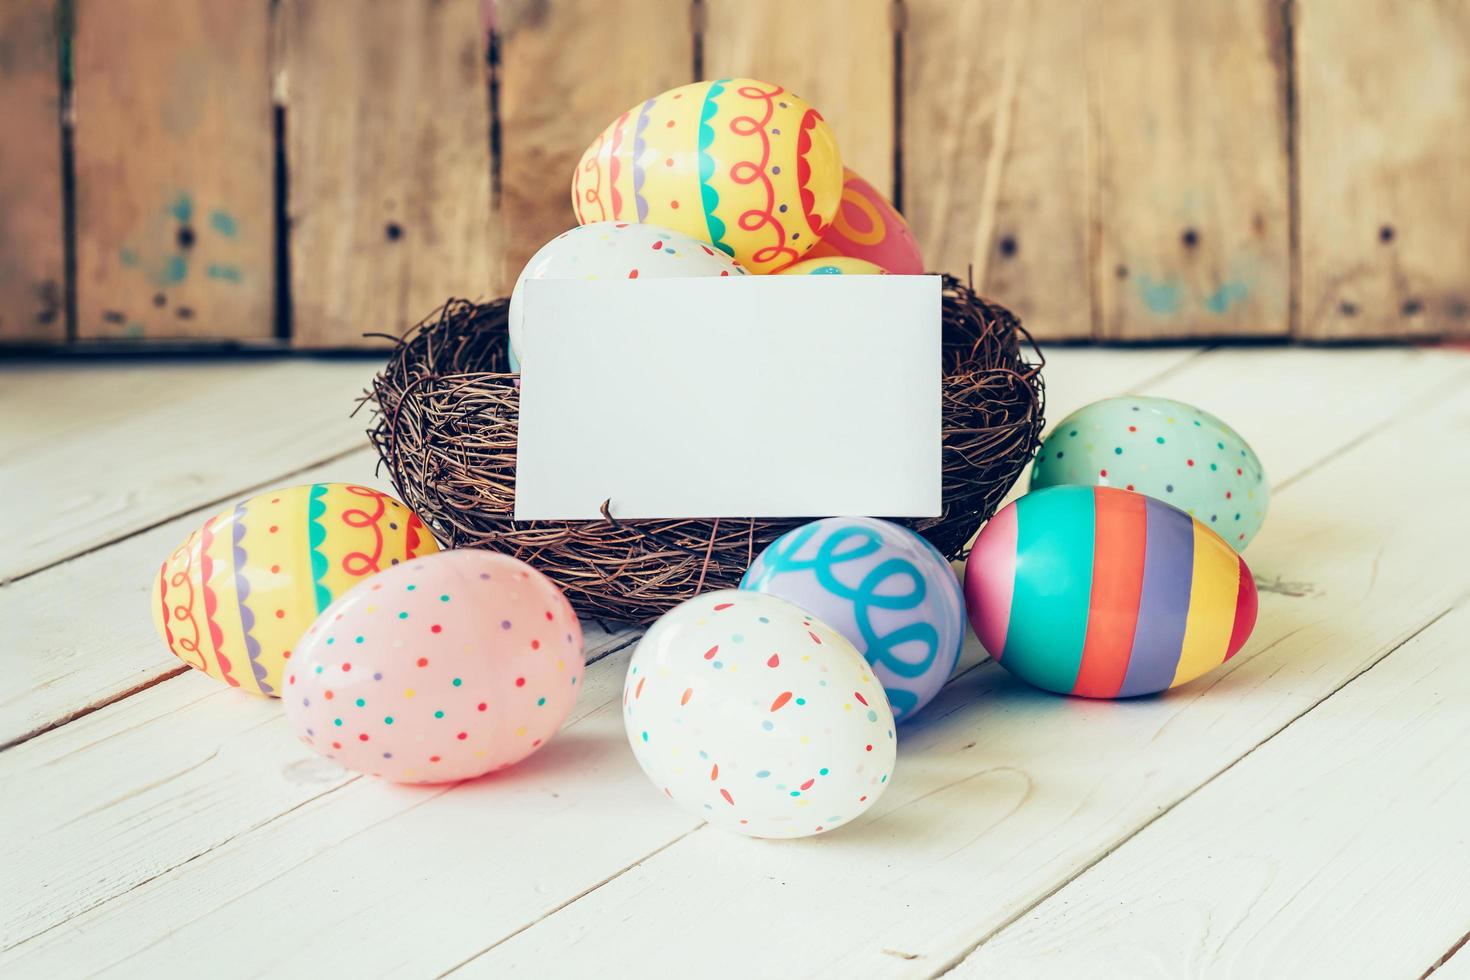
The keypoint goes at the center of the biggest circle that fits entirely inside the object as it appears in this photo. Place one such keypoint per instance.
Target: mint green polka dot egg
(1164, 449)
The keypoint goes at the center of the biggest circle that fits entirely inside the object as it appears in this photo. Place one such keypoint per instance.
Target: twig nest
(447, 406)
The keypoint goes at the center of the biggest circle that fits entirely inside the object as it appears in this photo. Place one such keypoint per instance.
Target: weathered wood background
(302, 172)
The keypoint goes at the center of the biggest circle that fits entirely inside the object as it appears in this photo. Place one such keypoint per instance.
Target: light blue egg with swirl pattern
(883, 587)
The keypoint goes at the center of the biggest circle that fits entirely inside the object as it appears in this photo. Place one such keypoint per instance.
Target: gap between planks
(1448, 956)
(631, 639)
(615, 646)
(958, 958)
(214, 504)
(1081, 371)
(629, 867)
(1390, 648)
(1347, 822)
(1158, 366)
(571, 900)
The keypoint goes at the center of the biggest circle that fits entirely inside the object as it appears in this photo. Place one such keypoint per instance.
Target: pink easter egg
(442, 668)
(868, 227)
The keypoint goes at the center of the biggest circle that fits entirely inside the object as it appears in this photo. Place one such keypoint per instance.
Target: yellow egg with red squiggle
(742, 164)
(237, 595)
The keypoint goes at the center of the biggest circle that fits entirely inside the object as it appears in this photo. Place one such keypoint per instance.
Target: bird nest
(446, 409)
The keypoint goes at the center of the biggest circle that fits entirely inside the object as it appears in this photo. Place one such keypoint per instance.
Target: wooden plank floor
(1300, 812)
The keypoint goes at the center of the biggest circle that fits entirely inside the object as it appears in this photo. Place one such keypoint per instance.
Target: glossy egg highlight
(754, 715)
(1162, 448)
(439, 669)
(741, 164)
(868, 227)
(235, 597)
(884, 588)
(614, 250)
(1102, 593)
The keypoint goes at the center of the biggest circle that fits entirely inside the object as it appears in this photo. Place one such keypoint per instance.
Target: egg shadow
(590, 743)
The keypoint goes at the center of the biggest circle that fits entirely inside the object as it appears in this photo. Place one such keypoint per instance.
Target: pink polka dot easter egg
(614, 250)
(439, 669)
(748, 712)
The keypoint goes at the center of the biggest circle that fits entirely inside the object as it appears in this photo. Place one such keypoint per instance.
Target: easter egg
(1103, 593)
(883, 587)
(836, 266)
(754, 715)
(615, 250)
(1164, 449)
(866, 226)
(234, 599)
(443, 668)
(741, 164)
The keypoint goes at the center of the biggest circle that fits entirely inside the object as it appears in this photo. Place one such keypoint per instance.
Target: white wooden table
(1303, 811)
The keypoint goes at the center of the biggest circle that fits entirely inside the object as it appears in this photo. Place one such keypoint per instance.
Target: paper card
(761, 396)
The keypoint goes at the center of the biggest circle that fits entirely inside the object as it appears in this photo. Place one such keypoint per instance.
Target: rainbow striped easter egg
(1102, 593)
(235, 597)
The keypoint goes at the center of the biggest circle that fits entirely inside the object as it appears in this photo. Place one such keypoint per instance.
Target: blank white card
(760, 396)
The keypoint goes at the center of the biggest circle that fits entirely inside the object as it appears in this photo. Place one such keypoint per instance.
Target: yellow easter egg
(739, 163)
(237, 595)
(834, 265)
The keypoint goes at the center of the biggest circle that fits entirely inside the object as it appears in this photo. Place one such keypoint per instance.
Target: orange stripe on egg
(1121, 530)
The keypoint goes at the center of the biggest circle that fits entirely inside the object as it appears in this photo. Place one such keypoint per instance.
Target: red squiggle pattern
(181, 645)
(804, 172)
(591, 195)
(613, 164)
(754, 171)
(361, 562)
(168, 633)
(413, 538)
(577, 191)
(211, 603)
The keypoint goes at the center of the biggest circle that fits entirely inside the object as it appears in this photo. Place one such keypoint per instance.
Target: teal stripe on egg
(1054, 541)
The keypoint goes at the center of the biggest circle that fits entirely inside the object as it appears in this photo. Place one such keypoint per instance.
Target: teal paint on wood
(1164, 298)
(1226, 296)
(175, 271)
(223, 223)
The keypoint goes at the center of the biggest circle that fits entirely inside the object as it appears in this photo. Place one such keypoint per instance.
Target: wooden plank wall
(1384, 169)
(568, 68)
(32, 253)
(304, 171)
(387, 138)
(174, 194)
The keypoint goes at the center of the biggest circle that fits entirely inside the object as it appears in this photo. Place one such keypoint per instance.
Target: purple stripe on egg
(1163, 606)
(242, 592)
(639, 146)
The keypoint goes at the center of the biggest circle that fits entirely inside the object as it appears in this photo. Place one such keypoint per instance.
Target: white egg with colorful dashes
(751, 713)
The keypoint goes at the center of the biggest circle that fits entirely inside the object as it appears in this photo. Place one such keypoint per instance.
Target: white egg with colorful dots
(614, 250)
(1164, 449)
(754, 715)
